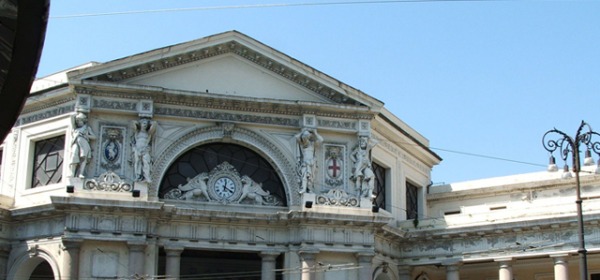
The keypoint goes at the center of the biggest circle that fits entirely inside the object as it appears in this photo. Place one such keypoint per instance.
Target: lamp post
(566, 145)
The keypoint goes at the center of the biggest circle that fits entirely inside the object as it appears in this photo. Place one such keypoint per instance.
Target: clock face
(224, 187)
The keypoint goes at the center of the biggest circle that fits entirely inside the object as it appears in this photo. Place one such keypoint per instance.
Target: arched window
(206, 157)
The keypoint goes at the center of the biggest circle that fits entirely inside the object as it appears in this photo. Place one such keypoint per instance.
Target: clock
(224, 184)
(225, 187)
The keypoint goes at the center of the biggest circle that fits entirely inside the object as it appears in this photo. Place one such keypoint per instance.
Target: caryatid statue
(308, 139)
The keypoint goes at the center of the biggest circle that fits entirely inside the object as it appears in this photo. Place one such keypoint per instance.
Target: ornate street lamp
(566, 146)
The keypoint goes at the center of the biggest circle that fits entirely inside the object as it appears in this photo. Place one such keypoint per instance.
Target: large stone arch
(26, 263)
(283, 165)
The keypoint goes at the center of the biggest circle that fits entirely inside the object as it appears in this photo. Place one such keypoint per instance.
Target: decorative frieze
(338, 197)
(337, 124)
(108, 182)
(46, 114)
(115, 105)
(226, 116)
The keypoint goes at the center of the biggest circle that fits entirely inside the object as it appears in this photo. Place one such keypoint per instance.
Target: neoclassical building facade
(225, 158)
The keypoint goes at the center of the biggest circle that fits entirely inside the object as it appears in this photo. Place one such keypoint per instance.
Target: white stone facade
(199, 166)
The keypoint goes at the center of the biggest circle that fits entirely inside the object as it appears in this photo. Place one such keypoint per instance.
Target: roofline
(410, 136)
(277, 56)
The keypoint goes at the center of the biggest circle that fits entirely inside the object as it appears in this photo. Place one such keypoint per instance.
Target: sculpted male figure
(363, 171)
(307, 140)
(81, 150)
(142, 150)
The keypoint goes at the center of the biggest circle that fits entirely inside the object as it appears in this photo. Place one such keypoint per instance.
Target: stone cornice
(494, 229)
(165, 97)
(244, 47)
(499, 189)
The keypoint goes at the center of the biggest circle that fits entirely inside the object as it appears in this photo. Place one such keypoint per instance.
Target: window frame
(417, 198)
(33, 161)
(28, 136)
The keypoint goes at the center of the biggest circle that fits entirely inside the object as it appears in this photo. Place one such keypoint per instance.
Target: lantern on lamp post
(570, 146)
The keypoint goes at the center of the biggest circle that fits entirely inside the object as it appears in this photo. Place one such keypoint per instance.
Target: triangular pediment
(228, 74)
(230, 64)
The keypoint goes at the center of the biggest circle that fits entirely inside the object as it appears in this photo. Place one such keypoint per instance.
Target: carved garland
(108, 182)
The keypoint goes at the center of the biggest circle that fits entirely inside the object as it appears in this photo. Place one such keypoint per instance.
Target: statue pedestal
(141, 188)
(308, 200)
(366, 202)
(76, 182)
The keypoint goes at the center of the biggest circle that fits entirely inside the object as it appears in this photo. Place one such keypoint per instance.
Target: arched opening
(41, 266)
(205, 158)
(42, 271)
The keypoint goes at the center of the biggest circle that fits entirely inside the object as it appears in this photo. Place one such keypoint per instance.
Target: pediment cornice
(234, 43)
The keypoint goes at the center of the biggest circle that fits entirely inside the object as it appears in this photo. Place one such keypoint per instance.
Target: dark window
(47, 161)
(595, 276)
(380, 183)
(412, 201)
(207, 157)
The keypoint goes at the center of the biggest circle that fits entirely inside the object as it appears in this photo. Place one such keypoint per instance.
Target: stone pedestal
(311, 198)
(366, 202)
(142, 187)
(75, 182)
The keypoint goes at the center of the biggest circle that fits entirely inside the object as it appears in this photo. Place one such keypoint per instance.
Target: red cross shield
(334, 168)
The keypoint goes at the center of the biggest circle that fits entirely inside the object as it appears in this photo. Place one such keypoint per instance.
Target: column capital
(452, 262)
(365, 257)
(504, 260)
(560, 256)
(173, 250)
(269, 255)
(71, 243)
(308, 253)
(452, 267)
(137, 248)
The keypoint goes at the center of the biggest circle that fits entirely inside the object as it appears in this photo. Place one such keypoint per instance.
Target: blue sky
(482, 80)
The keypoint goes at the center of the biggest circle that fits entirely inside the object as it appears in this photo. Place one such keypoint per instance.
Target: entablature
(184, 99)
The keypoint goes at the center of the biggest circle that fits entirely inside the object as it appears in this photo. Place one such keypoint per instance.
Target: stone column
(4, 252)
(268, 265)
(561, 267)
(173, 263)
(505, 271)
(308, 260)
(137, 258)
(151, 258)
(365, 260)
(70, 265)
(404, 272)
(452, 272)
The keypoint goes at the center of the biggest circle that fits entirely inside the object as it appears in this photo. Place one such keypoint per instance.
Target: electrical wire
(258, 6)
